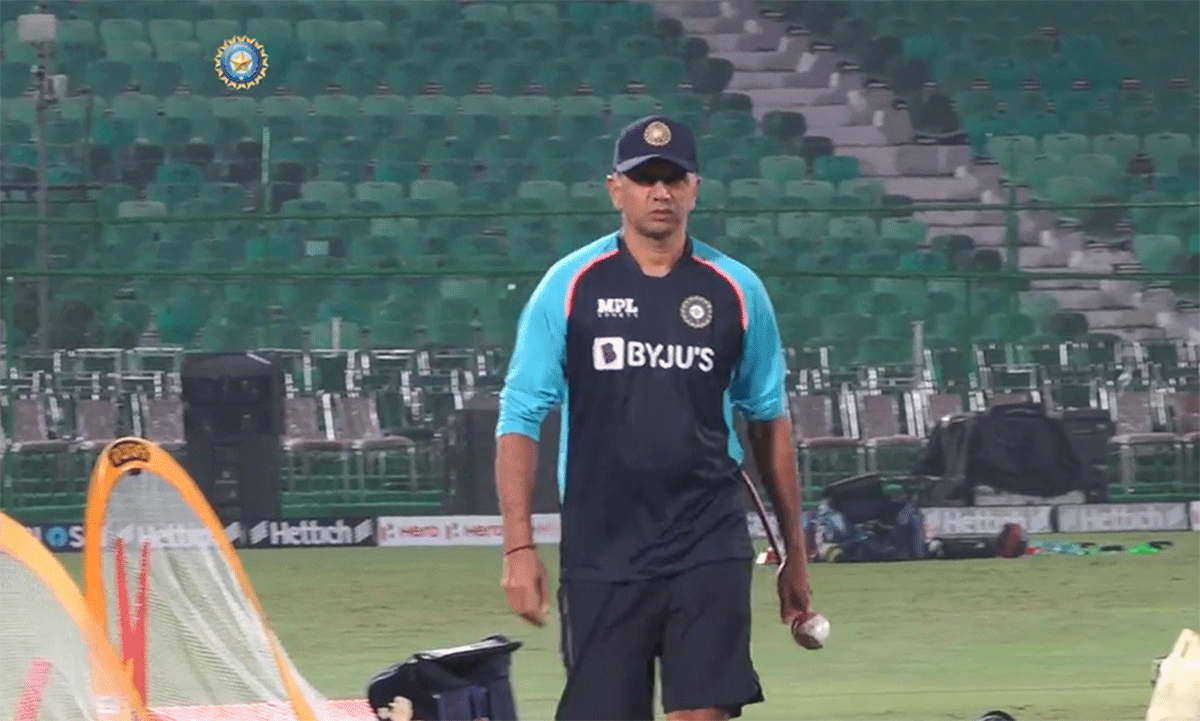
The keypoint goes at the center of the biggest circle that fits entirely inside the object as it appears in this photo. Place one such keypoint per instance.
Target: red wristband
(511, 551)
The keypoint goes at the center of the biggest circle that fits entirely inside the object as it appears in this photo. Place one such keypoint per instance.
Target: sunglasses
(650, 173)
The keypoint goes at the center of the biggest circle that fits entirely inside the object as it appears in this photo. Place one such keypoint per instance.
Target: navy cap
(653, 137)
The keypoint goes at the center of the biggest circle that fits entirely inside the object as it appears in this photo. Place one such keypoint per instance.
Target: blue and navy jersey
(647, 371)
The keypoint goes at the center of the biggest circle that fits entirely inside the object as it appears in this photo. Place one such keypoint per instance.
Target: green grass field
(1047, 637)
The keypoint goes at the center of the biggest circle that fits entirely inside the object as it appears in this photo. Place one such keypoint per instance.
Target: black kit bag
(463, 683)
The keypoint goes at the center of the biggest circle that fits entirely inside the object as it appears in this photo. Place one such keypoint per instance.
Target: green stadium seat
(226, 197)
(559, 78)
(134, 106)
(342, 106)
(731, 124)
(389, 196)
(116, 30)
(1102, 170)
(816, 193)
(859, 230)
(608, 76)
(835, 169)
(1064, 146)
(132, 52)
(754, 147)
(752, 193)
(164, 32)
(236, 116)
(108, 77)
(902, 235)
(661, 74)
(1139, 121)
(333, 194)
(212, 32)
(1011, 151)
(531, 117)
(580, 118)
(783, 168)
(867, 191)
(1008, 327)
(627, 109)
(159, 78)
(686, 108)
(801, 229)
(553, 194)
(432, 115)
(1165, 149)
(1156, 252)
(15, 78)
(171, 194)
(482, 117)
(1121, 147)
(1091, 121)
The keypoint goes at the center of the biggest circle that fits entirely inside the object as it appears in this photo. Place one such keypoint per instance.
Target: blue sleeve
(535, 381)
(757, 387)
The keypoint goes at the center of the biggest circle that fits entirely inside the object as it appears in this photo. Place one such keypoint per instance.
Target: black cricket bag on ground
(463, 683)
(858, 521)
(1010, 542)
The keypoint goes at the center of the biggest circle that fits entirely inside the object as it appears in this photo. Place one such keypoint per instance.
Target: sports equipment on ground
(1010, 542)
(194, 637)
(450, 684)
(55, 663)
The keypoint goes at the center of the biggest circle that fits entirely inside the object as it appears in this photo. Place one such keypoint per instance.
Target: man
(648, 337)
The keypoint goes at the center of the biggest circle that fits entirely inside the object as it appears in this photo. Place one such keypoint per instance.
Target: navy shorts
(696, 624)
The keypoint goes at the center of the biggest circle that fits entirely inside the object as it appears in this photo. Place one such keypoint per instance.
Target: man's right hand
(526, 585)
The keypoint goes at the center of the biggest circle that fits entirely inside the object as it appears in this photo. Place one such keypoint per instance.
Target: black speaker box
(233, 422)
(1089, 430)
(241, 478)
(475, 466)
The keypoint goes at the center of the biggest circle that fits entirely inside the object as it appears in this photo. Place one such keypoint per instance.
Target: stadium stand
(414, 108)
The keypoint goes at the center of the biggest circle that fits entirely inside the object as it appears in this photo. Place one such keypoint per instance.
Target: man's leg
(706, 667)
(609, 642)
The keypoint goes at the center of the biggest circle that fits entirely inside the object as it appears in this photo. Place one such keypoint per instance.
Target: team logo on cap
(241, 62)
(696, 311)
(657, 133)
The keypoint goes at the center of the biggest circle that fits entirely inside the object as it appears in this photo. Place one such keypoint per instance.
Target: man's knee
(699, 714)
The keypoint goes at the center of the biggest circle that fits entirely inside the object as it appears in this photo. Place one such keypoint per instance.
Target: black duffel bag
(463, 683)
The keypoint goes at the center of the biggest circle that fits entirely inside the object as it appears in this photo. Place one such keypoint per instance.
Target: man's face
(654, 197)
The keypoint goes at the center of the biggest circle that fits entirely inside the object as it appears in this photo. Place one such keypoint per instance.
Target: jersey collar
(688, 253)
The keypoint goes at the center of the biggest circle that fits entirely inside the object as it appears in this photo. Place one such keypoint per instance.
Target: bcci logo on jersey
(614, 354)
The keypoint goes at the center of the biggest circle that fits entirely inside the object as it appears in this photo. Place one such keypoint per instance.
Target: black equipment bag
(1010, 542)
(452, 684)
(859, 519)
(1015, 448)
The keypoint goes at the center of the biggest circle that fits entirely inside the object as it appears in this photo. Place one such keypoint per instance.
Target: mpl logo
(616, 308)
(614, 354)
